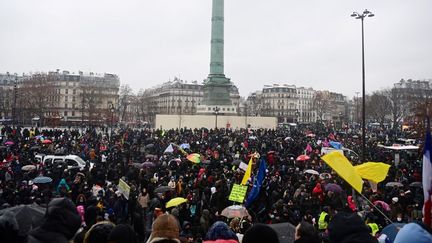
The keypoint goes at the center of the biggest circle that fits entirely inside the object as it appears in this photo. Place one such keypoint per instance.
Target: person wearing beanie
(349, 228)
(220, 232)
(165, 228)
(306, 233)
(59, 225)
(122, 233)
(99, 232)
(260, 233)
(414, 232)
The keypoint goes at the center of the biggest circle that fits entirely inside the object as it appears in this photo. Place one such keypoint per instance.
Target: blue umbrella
(42, 180)
(336, 145)
(185, 146)
(391, 230)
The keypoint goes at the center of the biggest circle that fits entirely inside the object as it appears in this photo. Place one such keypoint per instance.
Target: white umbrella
(313, 172)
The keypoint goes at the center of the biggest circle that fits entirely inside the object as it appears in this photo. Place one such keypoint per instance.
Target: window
(66, 91)
(65, 113)
(73, 113)
(70, 162)
(66, 106)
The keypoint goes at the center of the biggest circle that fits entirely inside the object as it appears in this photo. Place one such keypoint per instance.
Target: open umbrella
(325, 176)
(333, 187)
(175, 202)
(137, 165)
(27, 216)
(310, 135)
(235, 211)
(147, 164)
(2, 147)
(9, 143)
(148, 146)
(28, 167)
(163, 189)
(35, 148)
(185, 146)
(391, 230)
(313, 172)
(151, 156)
(383, 204)
(46, 141)
(42, 180)
(303, 157)
(394, 184)
(416, 184)
(236, 162)
(194, 158)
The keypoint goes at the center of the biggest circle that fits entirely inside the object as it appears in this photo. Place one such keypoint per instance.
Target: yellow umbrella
(175, 202)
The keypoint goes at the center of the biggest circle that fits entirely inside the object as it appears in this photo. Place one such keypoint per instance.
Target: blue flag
(253, 194)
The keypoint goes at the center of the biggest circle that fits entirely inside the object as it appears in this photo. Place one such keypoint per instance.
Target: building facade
(178, 97)
(291, 104)
(64, 98)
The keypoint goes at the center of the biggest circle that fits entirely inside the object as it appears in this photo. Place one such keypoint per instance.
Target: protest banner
(238, 193)
(124, 188)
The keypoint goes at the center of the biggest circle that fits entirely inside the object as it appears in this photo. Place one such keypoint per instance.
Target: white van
(72, 161)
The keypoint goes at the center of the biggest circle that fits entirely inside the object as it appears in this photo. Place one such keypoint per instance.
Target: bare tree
(38, 96)
(124, 100)
(321, 104)
(91, 100)
(378, 107)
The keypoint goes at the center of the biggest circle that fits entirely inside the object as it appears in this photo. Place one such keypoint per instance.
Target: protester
(306, 233)
(154, 166)
(59, 225)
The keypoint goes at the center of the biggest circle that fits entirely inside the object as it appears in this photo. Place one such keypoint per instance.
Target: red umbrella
(47, 141)
(303, 157)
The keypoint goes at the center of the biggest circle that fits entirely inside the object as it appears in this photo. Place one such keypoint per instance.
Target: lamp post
(297, 114)
(340, 120)
(14, 101)
(112, 109)
(216, 112)
(361, 16)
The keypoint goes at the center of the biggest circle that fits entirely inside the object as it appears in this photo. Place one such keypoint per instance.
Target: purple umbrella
(7, 143)
(384, 205)
(147, 164)
(333, 188)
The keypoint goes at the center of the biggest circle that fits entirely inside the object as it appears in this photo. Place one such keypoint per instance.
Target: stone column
(217, 39)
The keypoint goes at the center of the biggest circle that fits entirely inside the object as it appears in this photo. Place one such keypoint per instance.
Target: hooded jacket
(60, 223)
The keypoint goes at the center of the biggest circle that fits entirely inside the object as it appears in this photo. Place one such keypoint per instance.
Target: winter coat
(60, 223)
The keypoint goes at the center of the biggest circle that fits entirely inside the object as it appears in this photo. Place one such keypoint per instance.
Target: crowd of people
(86, 204)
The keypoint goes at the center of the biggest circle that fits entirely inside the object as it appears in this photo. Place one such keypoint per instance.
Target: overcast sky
(311, 43)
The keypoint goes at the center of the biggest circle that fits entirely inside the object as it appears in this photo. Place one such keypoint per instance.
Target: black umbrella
(416, 184)
(149, 146)
(3, 147)
(236, 162)
(163, 189)
(285, 232)
(27, 216)
(35, 148)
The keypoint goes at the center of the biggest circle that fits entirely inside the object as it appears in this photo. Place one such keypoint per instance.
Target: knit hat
(413, 232)
(123, 233)
(220, 231)
(99, 232)
(165, 227)
(260, 233)
(349, 227)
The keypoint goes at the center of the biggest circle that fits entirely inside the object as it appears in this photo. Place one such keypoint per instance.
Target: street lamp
(216, 112)
(112, 109)
(340, 119)
(361, 16)
(297, 114)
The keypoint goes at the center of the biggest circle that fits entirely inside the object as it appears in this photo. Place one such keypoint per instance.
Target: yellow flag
(344, 168)
(247, 172)
(373, 171)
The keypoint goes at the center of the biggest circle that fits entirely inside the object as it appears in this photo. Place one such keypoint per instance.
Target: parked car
(72, 161)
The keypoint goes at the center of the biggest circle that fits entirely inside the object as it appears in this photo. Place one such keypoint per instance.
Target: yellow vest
(374, 228)
(322, 224)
